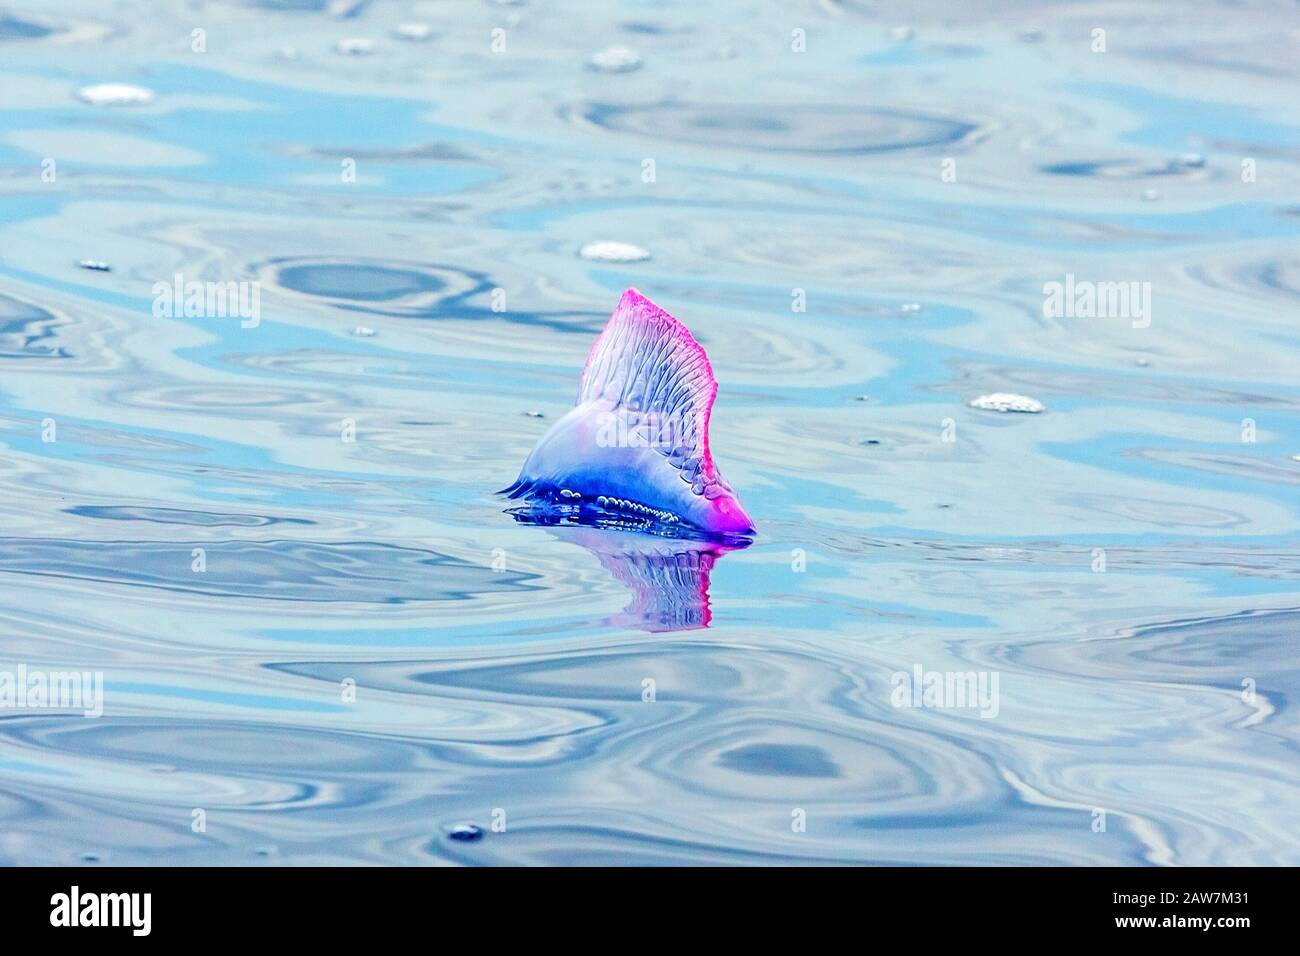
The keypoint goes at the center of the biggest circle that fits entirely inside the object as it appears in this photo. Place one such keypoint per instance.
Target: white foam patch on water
(115, 94)
(608, 251)
(1008, 402)
(413, 31)
(615, 59)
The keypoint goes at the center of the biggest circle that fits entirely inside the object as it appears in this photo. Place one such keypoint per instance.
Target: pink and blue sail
(635, 447)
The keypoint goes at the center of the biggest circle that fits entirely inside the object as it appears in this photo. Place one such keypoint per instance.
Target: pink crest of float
(646, 359)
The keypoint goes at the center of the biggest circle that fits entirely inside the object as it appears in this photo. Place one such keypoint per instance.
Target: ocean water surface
(323, 640)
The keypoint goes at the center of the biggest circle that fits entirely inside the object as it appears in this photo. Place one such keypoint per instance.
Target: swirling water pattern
(1125, 562)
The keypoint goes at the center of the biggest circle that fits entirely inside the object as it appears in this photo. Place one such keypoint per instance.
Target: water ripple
(802, 128)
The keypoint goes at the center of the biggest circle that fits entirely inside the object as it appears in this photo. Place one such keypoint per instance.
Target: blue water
(374, 653)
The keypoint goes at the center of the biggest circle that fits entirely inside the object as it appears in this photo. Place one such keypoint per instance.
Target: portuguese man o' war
(634, 451)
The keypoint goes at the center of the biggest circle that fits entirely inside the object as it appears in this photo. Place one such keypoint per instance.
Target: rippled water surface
(180, 510)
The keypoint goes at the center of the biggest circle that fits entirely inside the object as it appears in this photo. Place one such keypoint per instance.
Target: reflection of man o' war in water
(668, 577)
